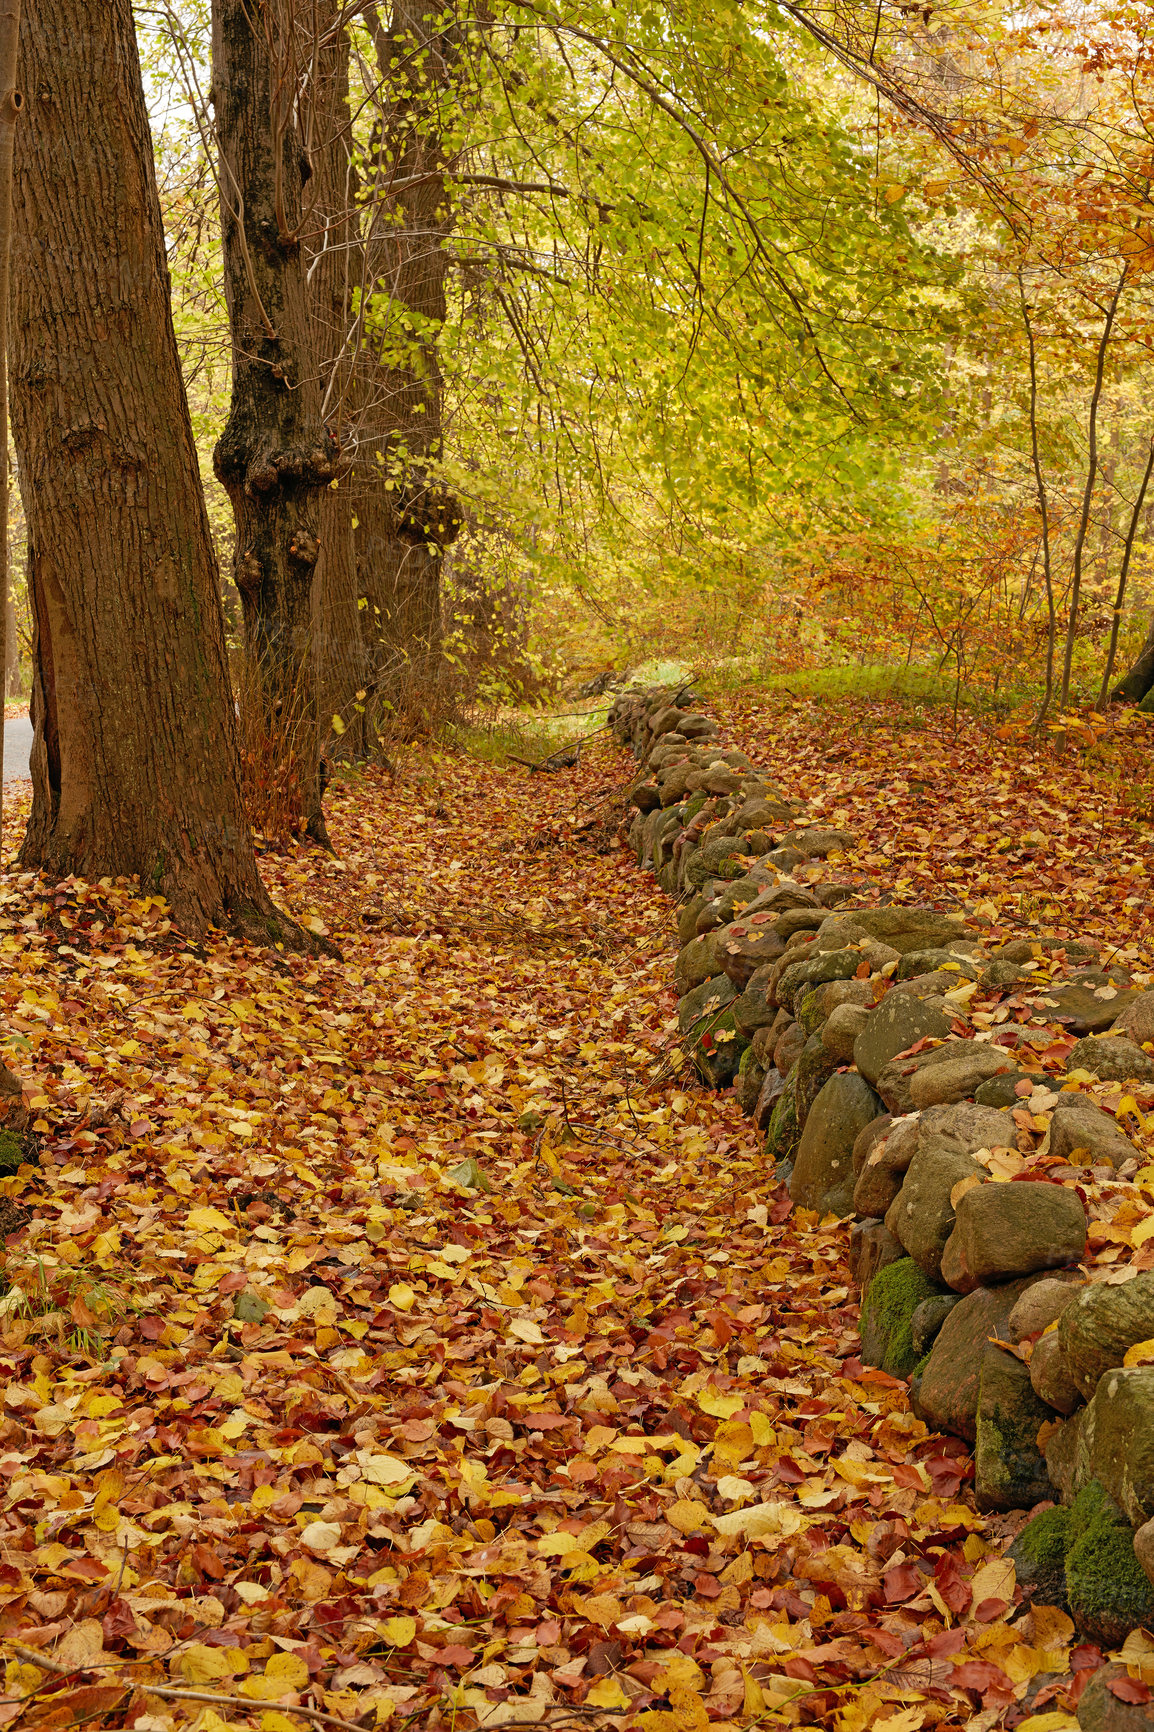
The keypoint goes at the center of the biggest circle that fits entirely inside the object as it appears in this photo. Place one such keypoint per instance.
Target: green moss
(718, 1050)
(1043, 1542)
(14, 1154)
(808, 1010)
(1106, 1588)
(693, 806)
(886, 1336)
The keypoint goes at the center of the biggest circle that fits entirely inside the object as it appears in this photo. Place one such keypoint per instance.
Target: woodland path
(415, 1334)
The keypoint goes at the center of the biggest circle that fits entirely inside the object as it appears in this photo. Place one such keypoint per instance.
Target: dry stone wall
(961, 1101)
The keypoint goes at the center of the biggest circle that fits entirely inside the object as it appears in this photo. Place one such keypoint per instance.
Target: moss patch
(808, 1011)
(784, 1131)
(1106, 1588)
(1039, 1557)
(15, 1152)
(886, 1336)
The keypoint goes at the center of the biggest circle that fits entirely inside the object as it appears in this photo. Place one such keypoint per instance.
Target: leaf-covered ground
(410, 1339)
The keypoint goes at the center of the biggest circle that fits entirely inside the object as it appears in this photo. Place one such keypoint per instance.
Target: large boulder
(701, 959)
(1080, 1003)
(904, 929)
(882, 1173)
(898, 1023)
(1107, 1590)
(823, 1166)
(894, 1295)
(1009, 1469)
(950, 1383)
(1039, 1557)
(818, 843)
(745, 946)
(814, 1068)
(973, 1063)
(1100, 1710)
(711, 1035)
(922, 1213)
(1111, 1059)
(1116, 1440)
(752, 1010)
(1050, 1376)
(798, 977)
(781, 1138)
(1007, 1230)
(841, 1029)
(1136, 1020)
(969, 1126)
(1084, 1135)
(1041, 1305)
(1098, 1327)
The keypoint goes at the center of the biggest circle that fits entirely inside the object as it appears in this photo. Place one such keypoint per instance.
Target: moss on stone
(886, 1336)
(14, 1153)
(808, 1011)
(1107, 1590)
(693, 806)
(718, 1050)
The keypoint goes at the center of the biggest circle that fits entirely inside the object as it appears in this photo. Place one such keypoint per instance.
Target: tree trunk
(275, 455)
(343, 674)
(11, 102)
(134, 764)
(1134, 685)
(404, 528)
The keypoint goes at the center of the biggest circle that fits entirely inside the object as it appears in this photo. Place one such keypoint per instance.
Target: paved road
(17, 746)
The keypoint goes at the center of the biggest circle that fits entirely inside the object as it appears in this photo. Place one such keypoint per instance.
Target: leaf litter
(409, 1340)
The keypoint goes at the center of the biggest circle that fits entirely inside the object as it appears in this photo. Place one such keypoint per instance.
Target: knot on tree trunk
(426, 512)
(268, 471)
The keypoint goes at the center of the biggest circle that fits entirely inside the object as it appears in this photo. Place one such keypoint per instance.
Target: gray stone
(947, 1397)
(918, 962)
(905, 929)
(687, 917)
(1111, 1059)
(882, 1174)
(706, 998)
(1041, 1305)
(1039, 1558)
(1077, 1003)
(747, 1088)
(927, 1320)
(794, 979)
(1002, 1091)
(968, 1126)
(752, 1010)
(1098, 1327)
(1099, 1710)
(1002, 972)
(1050, 1374)
(871, 1248)
(973, 1063)
(1085, 1136)
(771, 1088)
(784, 859)
(841, 1029)
(823, 1168)
(1116, 1440)
(1017, 1229)
(1009, 1468)
(819, 842)
(1144, 1548)
(1136, 1020)
(700, 959)
(922, 1215)
(868, 1138)
(934, 985)
(898, 1023)
(799, 920)
(745, 947)
(814, 1068)
(954, 1271)
(789, 1048)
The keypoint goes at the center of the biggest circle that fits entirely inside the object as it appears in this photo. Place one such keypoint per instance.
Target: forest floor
(411, 1339)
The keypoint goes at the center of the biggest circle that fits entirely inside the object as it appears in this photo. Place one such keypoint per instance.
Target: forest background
(767, 335)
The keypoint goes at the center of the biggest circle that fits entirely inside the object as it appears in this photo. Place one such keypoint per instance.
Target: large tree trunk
(404, 528)
(275, 455)
(343, 676)
(134, 764)
(1138, 681)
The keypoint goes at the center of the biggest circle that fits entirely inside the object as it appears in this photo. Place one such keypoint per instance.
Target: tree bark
(405, 519)
(11, 102)
(1139, 678)
(343, 673)
(275, 455)
(134, 765)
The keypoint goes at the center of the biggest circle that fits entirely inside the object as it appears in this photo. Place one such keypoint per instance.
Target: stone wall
(960, 1101)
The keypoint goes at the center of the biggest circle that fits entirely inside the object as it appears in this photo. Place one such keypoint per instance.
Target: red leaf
(989, 1611)
(1129, 1689)
(233, 1282)
(902, 1583)
(979, 1675)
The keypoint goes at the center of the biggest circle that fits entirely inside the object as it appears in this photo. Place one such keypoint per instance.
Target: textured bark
(403, 529)
(335, 259)
(11, 102)
(275, 456)
(1138, 680)
(134, 765)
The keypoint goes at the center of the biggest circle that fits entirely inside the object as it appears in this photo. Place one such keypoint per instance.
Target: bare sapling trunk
(135, 765)
(1088, 491)
(406, 519)
(1123, 577)
(1043, 509)
(275, 456)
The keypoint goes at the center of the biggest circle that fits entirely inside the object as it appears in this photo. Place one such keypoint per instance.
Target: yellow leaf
(106, 1509)
(1057, 1720)
(1141, 1353)
(526, 1330)
(720, 1406)
(687, 1516)
(760, 1519)
(321, 1537)
(892, 195)
(1143, 1231)
(994, 1581)
(203, 1665)
(207, 1221)
(1050, 1627)
(607, 1693)
(398, 1632)
(763, 1432)
(681, 1672)
(401, 1296)
(905, 1720)
(289, 1669)
(754, 1703)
